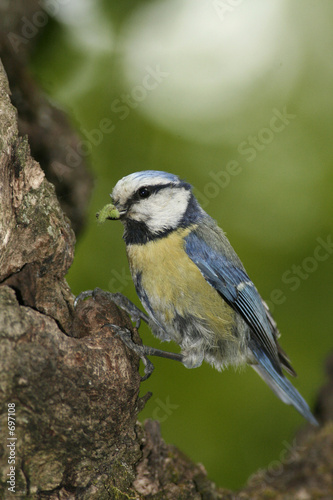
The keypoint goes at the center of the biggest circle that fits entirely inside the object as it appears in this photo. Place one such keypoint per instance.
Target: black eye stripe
(157, 188)
(136, 197)
(145, 191)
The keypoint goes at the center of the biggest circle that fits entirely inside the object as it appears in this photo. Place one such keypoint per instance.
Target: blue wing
(222, 269)
(236, 288)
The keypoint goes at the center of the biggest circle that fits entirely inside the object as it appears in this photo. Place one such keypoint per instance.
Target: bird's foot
(140, 350)
(123, 302)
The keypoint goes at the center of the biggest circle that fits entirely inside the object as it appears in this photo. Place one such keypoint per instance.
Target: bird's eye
(143, 192)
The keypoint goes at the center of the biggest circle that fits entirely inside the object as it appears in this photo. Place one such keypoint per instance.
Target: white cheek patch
(162, 210)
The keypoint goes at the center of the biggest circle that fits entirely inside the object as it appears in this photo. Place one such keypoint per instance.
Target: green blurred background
(237, 98)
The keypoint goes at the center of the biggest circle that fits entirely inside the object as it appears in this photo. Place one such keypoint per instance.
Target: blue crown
(148, 174)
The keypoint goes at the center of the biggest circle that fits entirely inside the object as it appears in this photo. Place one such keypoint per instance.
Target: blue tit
(193, 285)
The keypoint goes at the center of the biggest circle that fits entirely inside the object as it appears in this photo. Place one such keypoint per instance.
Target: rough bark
(75, 385)
(52, 141)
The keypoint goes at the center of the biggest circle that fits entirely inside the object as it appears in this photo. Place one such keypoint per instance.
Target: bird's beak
(109, 212)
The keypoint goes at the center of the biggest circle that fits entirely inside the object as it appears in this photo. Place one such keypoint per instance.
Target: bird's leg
(123, 302)
(136, 315)
(143, 350)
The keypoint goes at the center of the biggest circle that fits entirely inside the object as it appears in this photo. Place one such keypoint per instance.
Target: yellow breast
(174, 284)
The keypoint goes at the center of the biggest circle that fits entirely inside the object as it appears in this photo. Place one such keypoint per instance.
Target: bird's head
(150, 204)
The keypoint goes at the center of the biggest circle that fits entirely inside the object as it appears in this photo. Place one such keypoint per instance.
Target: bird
(193, 285)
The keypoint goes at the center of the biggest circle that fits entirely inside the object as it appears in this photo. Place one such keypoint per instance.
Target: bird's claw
(120, 300)
(126, 337)
(82, 296)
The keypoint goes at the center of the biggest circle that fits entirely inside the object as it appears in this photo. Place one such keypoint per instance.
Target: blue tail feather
(280, 385)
